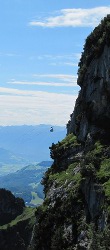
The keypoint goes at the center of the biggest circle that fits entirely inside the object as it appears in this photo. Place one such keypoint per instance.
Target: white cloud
(61, 63)
(74, 18)
(11, 91)
(63, 77)
(70, 64)
(52, 84)
(61, 60)
(55, 80)
(19, 107)
(10, 54)
(60, 57)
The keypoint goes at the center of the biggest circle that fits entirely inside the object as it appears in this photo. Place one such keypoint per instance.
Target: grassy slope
(27, 215)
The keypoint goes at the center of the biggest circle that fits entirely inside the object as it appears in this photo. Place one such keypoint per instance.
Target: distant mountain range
(25, 183)
(7, 157)
(28, 143)
(10, 162)
(21, 150)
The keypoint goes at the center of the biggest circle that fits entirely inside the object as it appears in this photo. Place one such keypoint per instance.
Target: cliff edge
(91, 115)
(75, 214)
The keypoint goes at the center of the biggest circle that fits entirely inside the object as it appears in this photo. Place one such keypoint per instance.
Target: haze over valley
(24, 157)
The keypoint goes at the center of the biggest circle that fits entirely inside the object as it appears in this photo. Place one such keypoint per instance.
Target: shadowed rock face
(10, 207)
(16, 222)
(92, 110)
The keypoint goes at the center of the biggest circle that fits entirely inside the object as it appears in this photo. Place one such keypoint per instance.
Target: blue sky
(40, 45)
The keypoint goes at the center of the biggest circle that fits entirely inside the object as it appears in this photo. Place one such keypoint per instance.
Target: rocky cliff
(75, 214)
(92, 110)
(16, 222)
(10, 207)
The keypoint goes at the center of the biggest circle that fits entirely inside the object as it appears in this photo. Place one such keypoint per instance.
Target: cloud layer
(55, 80)
(60, 60)
(19, 107)
(73, 18)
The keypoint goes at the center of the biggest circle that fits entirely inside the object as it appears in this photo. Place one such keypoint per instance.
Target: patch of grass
(103, 176)
(35, 199)
(65, 177)
(68, 140)
(104, 171)
(28, 214)
(106, 186)
(94, 156)
(98, 148)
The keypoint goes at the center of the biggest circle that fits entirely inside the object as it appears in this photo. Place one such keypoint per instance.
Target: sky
(40, 46)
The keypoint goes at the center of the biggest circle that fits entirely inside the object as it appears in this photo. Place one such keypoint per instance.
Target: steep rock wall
(92, 110)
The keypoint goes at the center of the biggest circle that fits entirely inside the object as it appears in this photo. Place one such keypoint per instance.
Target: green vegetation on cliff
(10, 206)
(16, 222)
(27, 215)
(17, 234)
(75, 211)
(94, 46)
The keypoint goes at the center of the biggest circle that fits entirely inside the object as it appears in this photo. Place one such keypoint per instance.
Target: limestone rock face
(94, 200)
(92, 110)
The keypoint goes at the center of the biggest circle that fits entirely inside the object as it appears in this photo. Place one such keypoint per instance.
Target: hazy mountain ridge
(30, 142)
(8, 157)
(25, 183)
(21, 149)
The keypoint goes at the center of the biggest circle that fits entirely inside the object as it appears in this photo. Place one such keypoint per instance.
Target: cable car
(51, 129)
